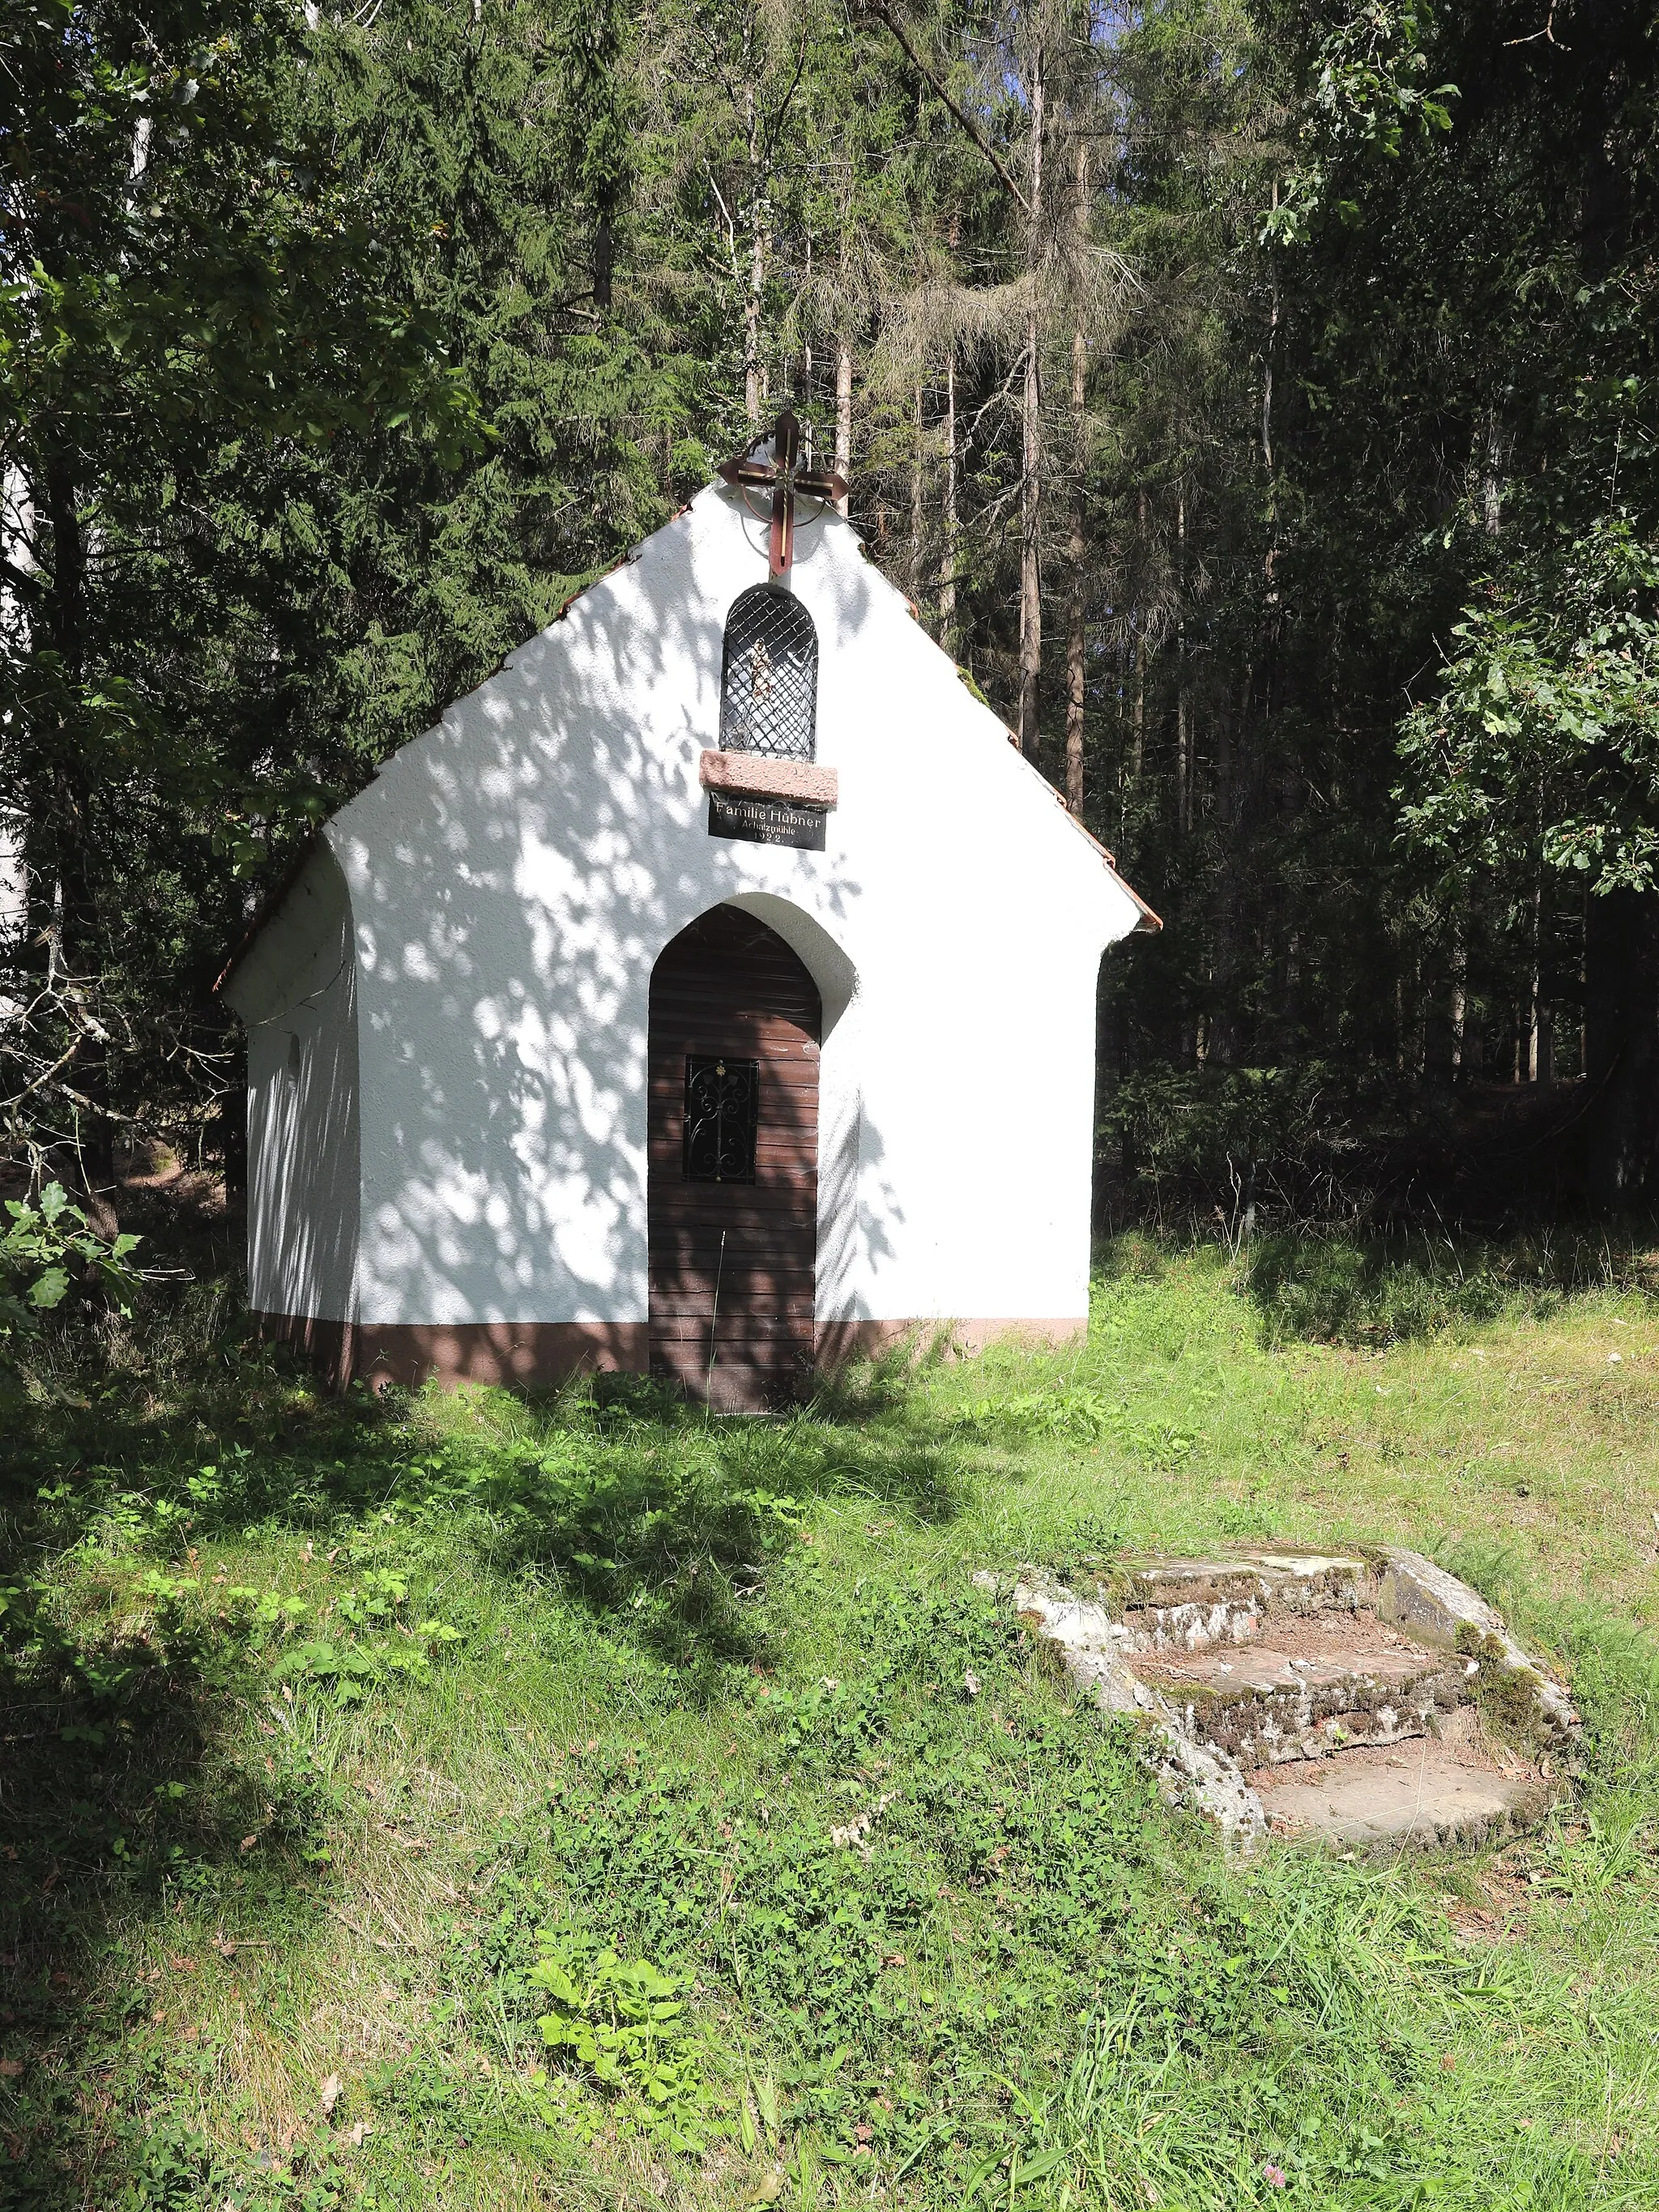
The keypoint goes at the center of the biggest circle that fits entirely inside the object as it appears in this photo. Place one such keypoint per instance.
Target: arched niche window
(769, 679)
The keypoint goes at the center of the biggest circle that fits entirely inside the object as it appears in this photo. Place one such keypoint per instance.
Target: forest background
(1255, 397)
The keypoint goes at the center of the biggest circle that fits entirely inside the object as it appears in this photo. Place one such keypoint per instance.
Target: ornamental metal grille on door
(722, 1119)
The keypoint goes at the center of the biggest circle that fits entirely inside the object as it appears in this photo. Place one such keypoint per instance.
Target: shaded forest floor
(472, 1802)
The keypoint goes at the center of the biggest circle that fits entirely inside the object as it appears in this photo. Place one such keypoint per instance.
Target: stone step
(1308, 1686)
(1263, 1675)
(1459, 1789)
(1183, 1604)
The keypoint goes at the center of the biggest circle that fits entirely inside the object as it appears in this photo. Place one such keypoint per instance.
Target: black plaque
(766, 821)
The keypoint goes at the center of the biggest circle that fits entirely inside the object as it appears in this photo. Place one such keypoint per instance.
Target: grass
(347, 1744)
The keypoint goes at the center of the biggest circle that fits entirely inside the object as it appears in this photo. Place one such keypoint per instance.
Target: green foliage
(823, 1895)
(1076, 1411)
(1440, 458)
(45, 1246)
(1336, 1291)
(1389, 1289)
(274, 273)
(339, 349)
(1542, 745)
(607, 1504)
(350, 1671)
(623, 2023)
(595, 102)
(238, 1638)
(1365, 96)
(1216, 1128)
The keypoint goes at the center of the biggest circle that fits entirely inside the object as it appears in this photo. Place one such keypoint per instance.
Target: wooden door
(732, 1183)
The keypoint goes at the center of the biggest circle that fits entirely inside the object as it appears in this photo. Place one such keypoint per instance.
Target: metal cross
(784, 477)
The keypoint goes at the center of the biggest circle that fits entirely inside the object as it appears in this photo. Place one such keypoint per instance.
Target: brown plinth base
(529, 1353)
(841, 1341)
(525, 1352)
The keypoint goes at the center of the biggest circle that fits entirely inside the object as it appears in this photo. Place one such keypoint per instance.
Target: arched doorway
(732, 1183)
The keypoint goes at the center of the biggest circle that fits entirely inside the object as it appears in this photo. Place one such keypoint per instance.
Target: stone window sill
(755, 777)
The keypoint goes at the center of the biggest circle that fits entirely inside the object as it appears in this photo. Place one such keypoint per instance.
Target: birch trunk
(1459, 999)
(1535, 1003)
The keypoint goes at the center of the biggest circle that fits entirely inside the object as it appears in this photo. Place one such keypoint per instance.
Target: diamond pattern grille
(769, 683)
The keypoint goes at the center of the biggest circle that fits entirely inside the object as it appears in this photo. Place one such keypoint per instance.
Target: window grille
(769, 681)
(722, 1118)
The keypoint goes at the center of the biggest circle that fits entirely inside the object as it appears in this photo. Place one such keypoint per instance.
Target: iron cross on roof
(784, 475)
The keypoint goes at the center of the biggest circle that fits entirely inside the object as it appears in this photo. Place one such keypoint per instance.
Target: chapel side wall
(303, 1156)
(982, 917)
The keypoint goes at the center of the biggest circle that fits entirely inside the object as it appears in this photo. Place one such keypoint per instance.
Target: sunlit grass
(299, 1980)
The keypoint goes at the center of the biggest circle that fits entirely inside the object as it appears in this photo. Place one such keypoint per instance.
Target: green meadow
(475, 1800)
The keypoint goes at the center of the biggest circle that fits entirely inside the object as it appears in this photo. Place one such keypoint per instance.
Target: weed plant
(475, 1800)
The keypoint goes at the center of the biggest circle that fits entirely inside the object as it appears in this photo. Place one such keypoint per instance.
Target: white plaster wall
(303, 1093)
(514, 873)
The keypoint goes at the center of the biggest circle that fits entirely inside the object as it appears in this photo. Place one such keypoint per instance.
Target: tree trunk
(1076, 637)
(1075, 668)
(604, 251)
(232, 1128)
(65, 626)
(1030, 564)
(1234, 772)
(1489, 457)
(805, 390)
(947, 589)
(843, 416)
(1460, 1002)
(1534, 1005)
(916, 510)
(61, 807)
(1223, 1027)
(1621, 1042)
(1076, 641)
(1270, 559)
(1183, 724)
(751, 316)
(1031, 471)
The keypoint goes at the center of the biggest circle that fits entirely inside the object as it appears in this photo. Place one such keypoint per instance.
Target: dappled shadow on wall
(515, 875)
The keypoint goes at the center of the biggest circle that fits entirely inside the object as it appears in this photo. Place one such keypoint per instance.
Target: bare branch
(886, 14)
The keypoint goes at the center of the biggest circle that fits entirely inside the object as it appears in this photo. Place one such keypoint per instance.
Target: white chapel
(711, 993)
